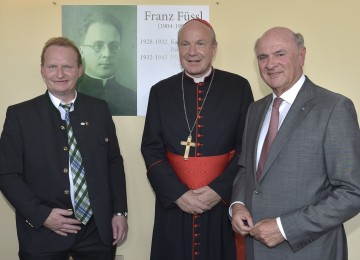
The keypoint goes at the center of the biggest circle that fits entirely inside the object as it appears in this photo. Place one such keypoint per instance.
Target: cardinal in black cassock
(192, 139)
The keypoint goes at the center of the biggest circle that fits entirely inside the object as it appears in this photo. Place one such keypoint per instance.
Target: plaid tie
(83, 210)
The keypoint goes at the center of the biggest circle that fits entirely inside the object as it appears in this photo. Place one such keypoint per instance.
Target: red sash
(197, 172)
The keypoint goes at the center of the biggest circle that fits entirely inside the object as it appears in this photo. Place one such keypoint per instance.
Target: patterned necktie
(83, 210)
(270, 136)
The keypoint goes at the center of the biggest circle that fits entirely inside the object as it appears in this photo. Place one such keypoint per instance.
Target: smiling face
(197, 48)
(60, 71)
(101, 64)
(280, 59)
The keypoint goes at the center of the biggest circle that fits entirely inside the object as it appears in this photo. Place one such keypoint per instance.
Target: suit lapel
(83, 126)
(50, 131)
(303, 103)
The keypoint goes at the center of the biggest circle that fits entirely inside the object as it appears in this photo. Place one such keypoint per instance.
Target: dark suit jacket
(33, 167)
(311, 179)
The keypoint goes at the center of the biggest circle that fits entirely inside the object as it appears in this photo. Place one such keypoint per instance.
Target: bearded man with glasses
(100, 36)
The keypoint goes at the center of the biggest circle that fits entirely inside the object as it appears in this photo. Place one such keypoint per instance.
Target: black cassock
(120, 100)
(178, 235)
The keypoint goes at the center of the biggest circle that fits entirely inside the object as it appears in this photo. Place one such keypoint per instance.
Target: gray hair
(213, 35)
(299, 40)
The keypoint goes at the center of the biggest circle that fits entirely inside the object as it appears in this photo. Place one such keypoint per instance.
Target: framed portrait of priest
(106, 37)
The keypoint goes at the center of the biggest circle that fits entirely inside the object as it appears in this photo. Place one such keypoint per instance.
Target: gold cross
(187, 145)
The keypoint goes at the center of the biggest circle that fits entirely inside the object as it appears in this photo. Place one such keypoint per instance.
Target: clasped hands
(266, 231)
(198, 201)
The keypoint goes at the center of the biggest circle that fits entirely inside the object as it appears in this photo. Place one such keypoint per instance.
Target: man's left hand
(120, 229)
(267, 232)
(208, 196)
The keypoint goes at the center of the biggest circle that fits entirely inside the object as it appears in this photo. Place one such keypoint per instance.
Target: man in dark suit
(309, 185)
(36, 174)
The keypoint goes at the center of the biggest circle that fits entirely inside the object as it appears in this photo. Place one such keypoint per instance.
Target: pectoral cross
(187, 145)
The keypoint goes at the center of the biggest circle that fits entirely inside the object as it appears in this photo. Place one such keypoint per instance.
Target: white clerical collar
(200, 79)
(103, 80)
(290, 95)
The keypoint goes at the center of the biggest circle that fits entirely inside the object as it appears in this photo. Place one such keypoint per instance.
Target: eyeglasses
(99, 46)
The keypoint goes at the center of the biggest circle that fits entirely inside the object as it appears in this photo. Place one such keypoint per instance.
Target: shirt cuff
(278, 221)
(230, 208)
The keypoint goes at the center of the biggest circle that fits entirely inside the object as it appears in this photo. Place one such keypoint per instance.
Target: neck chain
(188, 142)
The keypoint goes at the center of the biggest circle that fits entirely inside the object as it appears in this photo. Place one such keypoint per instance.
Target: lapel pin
(84, 123)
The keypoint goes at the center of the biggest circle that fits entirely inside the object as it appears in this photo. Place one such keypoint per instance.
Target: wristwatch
(124, 214)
